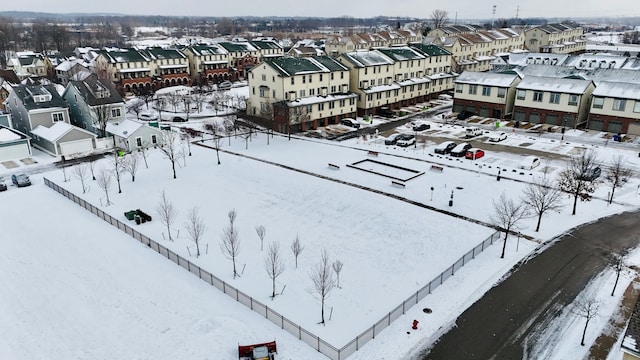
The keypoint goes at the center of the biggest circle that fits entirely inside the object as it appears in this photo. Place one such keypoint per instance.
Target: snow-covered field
(78, 288)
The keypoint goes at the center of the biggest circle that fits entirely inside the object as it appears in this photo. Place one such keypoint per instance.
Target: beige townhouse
(615, 108)
(486, 94)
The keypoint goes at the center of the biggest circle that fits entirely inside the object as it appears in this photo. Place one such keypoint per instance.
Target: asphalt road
(503, 324)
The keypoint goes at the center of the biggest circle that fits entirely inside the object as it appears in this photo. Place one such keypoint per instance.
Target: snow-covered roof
(124, 128)
(8, 135)
(413, 81)
(368, 58)
(53, 133)
(549, 84)
(379, 88)
(133, 70)
(617, 90)
(486, 78)
(319, 99)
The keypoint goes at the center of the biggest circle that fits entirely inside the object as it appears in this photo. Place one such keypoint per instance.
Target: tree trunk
(234, 268)
(575, 203)
(273, 287)
(584, 332)
(173, 166)
(616, 283)
(322, 312)
(613, 190)
(539, 220)
(504, 245)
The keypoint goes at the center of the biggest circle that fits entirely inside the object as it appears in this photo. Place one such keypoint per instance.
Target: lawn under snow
(80, 288)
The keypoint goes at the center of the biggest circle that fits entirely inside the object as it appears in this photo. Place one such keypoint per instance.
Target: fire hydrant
(415, 325)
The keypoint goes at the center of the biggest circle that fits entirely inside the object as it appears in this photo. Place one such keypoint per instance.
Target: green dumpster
(130, 214)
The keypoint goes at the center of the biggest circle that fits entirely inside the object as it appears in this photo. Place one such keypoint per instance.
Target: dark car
(591, 174)
(445, 147)
(386, 112)
(421, 127)
(463, 115)
(179, 119)
(350, 122)
(20, 180)
(460, 150)
(392, 139)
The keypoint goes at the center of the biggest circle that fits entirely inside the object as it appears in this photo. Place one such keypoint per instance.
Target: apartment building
(341, 44)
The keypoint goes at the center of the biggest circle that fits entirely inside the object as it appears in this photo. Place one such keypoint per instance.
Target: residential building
(630, 345)
(132, 135)
(297, 94)
(169, 67)
(554, 101)
(555, 38)
(28, 64)
(129, 69)
(69, 70)
(267, 49)
(13, 144)
(486, 94)
(615, 108)
(242, 57)
(93, 103)
(208, 63)
(338, 45)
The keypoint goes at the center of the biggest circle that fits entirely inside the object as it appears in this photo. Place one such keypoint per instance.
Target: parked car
(421, 127)
(406, 140)
(474, 153)
(497, 137)
(530, 162)
(392, 139)
(445, 147)
(591, 174)
(225, 85)
(472, 132)
(3, 186)
(463, 115)
(20, 180)
(146, 116)
(350, 122)
(386, 112)
(460, 150)
(179, 119)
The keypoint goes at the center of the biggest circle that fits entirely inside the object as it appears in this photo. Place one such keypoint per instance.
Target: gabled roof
(486, 78)
(403, 53)
(565, 86)
(8, 135)
(631, 340)
(237, 46)
(362, 59)
(97, 92)
(57, 131)
(123, 55)
(24, 93)
(265, 44)
(158, 53)
(204, 49)
(124, 129)
(618, 90)
(431, 50)
(290, 66)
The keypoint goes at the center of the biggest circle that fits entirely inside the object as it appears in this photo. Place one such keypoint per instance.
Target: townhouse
(615, 108)
(169, 66)
(129, 69)
(242, 57)
(297, 94)
(555, 38)
(339, 44)
(208, 63)
(485, 93)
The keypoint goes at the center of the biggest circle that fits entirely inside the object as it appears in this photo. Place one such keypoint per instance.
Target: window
(598, 102)
(115, 113)
(320, 106)
(293, 81)
(139, 142)
(473, 89)
(264, 92)
(310, 78)
(154, 139)
(486, 91)
(554, 98)
(341, 75)
(619, 104)
(573, 100)
(459, 88)
(302, 93)
(537, 96)
(312, 92)
(320, 77)
(521, 94)
(57, 117)
(636, 107)
(502, 92)
(264, 77)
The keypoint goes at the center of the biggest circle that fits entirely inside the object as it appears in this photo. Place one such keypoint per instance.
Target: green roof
(402, 53)
(431, 50)
(207, 49)
(289, 66)
(123, 55)
(265, 44)
(161, 54)
(236, 47)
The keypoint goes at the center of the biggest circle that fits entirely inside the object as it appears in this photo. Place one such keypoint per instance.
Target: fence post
(374, 331)
(282, 321)
(299, 333)
(417, 295)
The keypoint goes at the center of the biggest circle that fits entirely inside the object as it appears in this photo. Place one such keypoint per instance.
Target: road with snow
(504, 324)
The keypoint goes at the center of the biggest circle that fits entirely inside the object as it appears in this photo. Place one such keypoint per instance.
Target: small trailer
(264, 351)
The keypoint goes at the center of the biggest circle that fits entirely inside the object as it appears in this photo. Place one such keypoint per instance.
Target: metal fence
(308, 337)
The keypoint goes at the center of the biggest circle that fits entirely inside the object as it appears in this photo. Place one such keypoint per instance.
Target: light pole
(431, 193)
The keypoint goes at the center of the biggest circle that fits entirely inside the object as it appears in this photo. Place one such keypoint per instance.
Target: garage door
(534, 118)
(76, 147)
(551, 119)
(614, 127)
(595, 124)
(14, 152)
(634, 129)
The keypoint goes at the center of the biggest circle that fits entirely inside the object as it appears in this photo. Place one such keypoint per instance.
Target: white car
(406, 140)
(530, 162)
(497, 137)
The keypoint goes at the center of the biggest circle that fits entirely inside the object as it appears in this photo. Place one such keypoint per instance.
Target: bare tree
(167, 212)
(322, 279)
(274, 265)
(161, 101)
(542, 196)
(617, 174)
(135, 106)
(297, 115)
(102, 115)
(199, 99)
(507, 214)
(92, 166)
(173, 99)
(80, 172)
(217, 138)
(130, 163)
(439, 18)
(170, 148)
(186, 104)
(588, 308)
(616, 262)
(296, 248)
(195, 227)
(337, 267)
(103, 179)
(230, 245)
(144, 150)
(117, 168)
(575, 178)
(261, 231)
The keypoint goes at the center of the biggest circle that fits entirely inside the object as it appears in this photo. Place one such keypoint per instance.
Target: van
(529, 162)
(472, 132)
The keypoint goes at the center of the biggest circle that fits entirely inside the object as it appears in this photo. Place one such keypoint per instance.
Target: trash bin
(130, 214)
(138, 219)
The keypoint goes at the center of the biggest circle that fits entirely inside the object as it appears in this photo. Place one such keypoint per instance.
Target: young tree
(92, 166)
(135, 106)
(616, 262)
(542, 196)
(588, 308)
(261, 231)
(617, 174)
(170, 148)
(574, 180)
(144, 150)
(297, 115)
(130, 164)
(102, 115)
(322, 279)
(117, 168)
(230, 245)
(186, 104)
(195, 227)
(167, 212)
(296, 248)
(80, 172)
(274, 265)
(103, 179)
(337, 267)
(507, 214)
(173, 99)
(439, 18)
(217, 138)
(161, 102)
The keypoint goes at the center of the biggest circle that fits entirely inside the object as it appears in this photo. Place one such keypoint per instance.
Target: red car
(473, 154)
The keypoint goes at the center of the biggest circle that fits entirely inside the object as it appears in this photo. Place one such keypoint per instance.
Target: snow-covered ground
(78, 288)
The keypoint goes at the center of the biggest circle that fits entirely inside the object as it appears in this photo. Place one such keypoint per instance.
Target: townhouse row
(298, 94)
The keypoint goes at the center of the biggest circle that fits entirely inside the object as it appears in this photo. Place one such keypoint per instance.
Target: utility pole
(493, 15)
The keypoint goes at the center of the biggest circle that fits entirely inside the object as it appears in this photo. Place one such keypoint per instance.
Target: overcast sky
(464, 9)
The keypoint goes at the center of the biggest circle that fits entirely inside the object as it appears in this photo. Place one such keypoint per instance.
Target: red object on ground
(415, 325)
